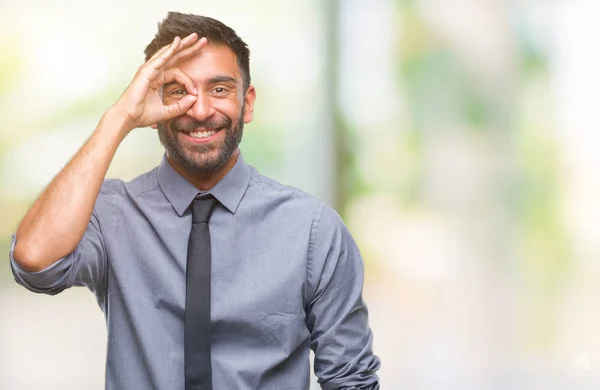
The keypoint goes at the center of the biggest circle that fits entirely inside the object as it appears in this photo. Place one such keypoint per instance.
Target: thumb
(181, 107)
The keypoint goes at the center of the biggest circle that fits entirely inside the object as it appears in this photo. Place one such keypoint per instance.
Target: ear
(249, 104)
(154, 126)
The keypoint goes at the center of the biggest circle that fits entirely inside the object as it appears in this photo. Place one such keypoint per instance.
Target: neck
(204, 181)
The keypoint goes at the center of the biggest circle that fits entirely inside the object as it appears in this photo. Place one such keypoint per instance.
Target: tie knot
(202, 208)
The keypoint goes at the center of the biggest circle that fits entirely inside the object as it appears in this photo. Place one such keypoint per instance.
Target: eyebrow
(167, 85)
(213, 80)
(221, 79)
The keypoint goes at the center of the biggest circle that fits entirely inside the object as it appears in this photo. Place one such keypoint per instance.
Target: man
(210, 275)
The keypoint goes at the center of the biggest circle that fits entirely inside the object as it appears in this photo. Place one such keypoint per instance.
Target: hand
(141, 103)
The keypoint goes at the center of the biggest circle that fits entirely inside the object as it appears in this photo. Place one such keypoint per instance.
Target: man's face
(205, 138)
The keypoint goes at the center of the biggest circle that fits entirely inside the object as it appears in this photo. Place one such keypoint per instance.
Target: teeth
(202, 134)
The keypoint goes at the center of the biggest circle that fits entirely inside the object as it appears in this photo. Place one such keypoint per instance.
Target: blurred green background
(456, 138)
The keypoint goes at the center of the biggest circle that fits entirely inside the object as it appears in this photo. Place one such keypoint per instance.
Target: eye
(220, 90)
(178, 92)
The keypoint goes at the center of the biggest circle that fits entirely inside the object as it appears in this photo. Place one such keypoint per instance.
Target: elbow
(28, 259)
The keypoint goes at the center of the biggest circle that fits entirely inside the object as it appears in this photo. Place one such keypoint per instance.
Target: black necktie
(198, 373)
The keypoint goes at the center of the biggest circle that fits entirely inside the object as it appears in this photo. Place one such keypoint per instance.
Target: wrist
(116, 122)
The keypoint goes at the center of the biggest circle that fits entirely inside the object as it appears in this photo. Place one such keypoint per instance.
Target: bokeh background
(457, 138)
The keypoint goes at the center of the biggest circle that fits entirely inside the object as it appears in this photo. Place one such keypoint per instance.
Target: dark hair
(181, 25)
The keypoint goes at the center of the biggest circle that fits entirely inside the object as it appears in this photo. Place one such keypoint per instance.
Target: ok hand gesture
(141, 103)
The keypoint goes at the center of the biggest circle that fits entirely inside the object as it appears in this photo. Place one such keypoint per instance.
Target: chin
(204, 163)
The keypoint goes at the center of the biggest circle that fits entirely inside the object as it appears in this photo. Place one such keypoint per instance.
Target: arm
(58, 219)
(336, 314)
(85, 266)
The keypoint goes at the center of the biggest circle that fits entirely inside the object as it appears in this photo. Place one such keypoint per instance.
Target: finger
(152, 69)
(179, 108)
(159, 61)
(176, 74)
(187, 52)
(161, 50)
(185, 42)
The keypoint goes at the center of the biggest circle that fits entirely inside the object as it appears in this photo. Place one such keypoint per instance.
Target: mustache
(187, 124)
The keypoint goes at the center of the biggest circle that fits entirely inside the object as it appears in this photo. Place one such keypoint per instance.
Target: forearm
(57, 221)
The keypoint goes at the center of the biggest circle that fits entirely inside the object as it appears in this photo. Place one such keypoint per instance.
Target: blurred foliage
(261, 145)
(440, 89)
(544, 248)
(437, 84)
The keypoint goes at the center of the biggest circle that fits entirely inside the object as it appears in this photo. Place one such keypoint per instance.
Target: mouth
(201, 135)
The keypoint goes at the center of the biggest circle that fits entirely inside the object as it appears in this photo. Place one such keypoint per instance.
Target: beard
(201, 158)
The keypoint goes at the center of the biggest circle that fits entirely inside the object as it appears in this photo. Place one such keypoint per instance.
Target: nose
(202, 108)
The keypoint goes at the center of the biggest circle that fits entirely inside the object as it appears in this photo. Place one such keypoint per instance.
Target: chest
(258, 266)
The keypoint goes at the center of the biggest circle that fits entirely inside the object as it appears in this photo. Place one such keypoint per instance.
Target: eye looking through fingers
(177, 94)
(172, 92)
(179, 91)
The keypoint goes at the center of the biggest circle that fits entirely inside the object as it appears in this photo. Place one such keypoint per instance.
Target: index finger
(164, 54)
(184, 53)
(177, 76)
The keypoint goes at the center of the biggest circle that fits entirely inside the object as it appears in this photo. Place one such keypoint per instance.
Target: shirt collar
(180, 192)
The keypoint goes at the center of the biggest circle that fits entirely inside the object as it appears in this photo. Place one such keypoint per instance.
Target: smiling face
(207, 136)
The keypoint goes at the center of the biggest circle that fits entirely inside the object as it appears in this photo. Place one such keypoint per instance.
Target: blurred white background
(458, 140)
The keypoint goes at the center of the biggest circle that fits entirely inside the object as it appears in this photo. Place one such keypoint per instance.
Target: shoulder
(297, 204)
(117, 194)
(276, 194)
(137, 186)
(329, 228)
(329, 220)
